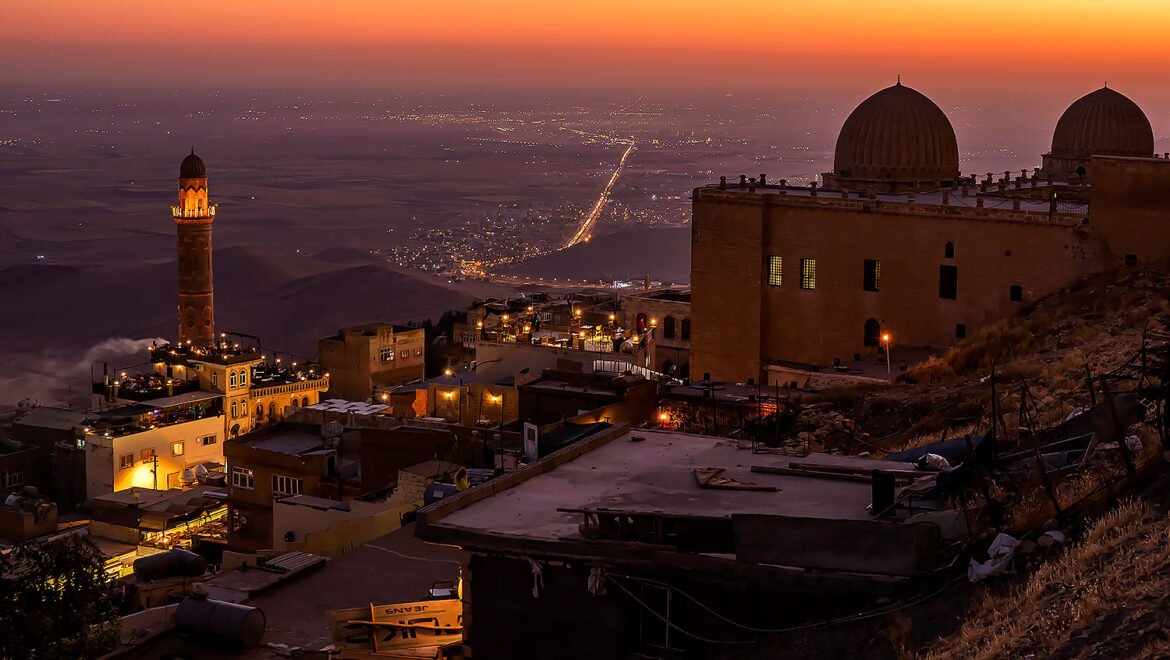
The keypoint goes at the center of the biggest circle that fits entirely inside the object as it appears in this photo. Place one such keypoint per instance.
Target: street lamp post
(886, 341)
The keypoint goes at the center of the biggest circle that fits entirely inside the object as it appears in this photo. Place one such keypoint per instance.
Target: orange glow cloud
(1032, 39)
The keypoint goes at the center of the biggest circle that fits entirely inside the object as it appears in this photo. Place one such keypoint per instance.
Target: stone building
(206, 387)
(361, 358)
(669, 311)
(898, 243)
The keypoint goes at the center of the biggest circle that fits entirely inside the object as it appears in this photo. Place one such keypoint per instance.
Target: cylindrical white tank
(237, 623)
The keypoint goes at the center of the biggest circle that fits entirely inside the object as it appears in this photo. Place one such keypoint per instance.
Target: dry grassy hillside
(1107, 594)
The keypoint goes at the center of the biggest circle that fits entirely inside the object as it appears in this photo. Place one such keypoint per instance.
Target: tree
(56, 601)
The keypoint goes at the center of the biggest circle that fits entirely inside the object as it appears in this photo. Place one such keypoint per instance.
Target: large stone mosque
(897, 241)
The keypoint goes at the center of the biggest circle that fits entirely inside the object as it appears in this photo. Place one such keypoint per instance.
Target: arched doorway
(668, 327)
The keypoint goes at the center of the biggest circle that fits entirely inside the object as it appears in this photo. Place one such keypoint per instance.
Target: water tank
(187, 477)
(171, 562)
(228, 621)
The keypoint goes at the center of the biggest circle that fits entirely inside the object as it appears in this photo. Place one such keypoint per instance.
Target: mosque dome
(1103, 123)
(898, 135)
(192, 167)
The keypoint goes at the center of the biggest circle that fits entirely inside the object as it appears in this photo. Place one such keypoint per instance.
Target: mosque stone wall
(1130, 201)
(738, 233)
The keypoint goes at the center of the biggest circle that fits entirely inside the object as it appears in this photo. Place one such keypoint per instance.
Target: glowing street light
(886, 342)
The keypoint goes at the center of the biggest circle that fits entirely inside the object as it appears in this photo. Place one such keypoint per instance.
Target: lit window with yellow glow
(177, 448)
(808, 274)
(775, 270)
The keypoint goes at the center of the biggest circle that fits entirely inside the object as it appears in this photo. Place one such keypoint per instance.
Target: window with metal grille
(872, 277)
(775, 270)
(386, 355)
(808, 274)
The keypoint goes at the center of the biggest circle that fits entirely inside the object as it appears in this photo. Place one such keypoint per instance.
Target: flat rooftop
(60, 419)
(284, 440)
(343, 406)
(995, 203)
(656, 476)
(669, 295)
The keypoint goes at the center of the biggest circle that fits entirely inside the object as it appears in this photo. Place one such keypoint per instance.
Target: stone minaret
(193, 217)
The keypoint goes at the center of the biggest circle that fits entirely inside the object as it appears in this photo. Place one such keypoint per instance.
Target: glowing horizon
(651, 40)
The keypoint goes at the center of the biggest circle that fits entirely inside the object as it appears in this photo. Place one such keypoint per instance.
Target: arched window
(271, 409)
(668, 327)
(294, 402)
(259, 411)
(243, 378)
(686, 329)
(235, 410)
(232, 380)
(949, 250)
(873, 332)
(305, 402)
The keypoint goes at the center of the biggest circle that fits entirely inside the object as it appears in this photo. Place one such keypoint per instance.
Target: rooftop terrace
(157, 413)
(655, 475)
(1048, 203)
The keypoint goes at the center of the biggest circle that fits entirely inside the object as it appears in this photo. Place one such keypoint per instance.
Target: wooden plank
(709, 478)
(814, 474)
(855, 469)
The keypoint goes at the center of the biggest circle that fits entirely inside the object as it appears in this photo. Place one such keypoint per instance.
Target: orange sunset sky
(1024, 43)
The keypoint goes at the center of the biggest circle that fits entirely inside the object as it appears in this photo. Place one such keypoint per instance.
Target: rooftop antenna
(899, 84)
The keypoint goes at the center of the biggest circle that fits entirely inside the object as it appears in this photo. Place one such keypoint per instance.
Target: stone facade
(194, 215)
(753, 308)
(381, 354)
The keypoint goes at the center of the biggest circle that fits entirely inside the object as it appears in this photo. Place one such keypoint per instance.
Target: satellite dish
(332, 429)
(200, 471)
(24, 404)
(235, 430)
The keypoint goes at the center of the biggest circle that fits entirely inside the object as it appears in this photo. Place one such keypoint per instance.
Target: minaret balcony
(195, 214)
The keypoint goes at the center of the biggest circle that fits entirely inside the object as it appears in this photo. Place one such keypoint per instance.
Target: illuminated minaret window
(193, 217)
